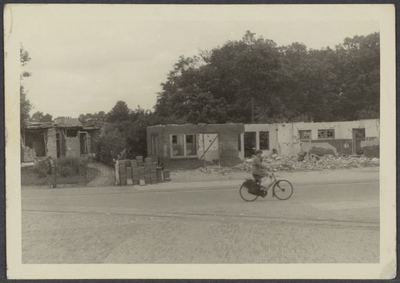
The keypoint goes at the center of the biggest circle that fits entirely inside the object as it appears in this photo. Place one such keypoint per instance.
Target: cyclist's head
(259, 152)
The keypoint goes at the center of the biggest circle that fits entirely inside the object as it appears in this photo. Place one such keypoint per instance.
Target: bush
(71, 166)
(111, 143)
(42, 168)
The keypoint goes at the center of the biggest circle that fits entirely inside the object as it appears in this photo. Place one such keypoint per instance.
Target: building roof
(199, 124)
(61, 122)
(39, 125)
(67, 122)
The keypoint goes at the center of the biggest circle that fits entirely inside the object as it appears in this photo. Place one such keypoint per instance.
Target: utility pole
(252, 110)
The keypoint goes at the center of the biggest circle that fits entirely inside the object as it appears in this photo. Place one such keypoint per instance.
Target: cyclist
(258, 169)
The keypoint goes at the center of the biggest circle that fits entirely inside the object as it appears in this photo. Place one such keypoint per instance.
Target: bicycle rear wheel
(245, 195)
(283, 189)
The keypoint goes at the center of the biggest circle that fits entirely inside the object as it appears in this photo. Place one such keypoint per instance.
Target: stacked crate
(135, 172)
(122, 173)
(138, 172)
(147, 170)
(159, 174)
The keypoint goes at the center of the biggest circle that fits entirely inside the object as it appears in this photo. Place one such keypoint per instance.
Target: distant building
(344, 137)
(192, 146)
(63, 137)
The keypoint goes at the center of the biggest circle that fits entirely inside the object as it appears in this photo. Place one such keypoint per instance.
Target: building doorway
(358, 137)
(250, 144)
(83, 139)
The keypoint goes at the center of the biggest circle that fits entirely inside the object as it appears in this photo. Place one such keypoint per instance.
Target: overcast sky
(85, 60)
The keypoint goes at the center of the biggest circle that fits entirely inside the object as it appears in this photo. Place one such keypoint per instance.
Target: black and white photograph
(200, 141)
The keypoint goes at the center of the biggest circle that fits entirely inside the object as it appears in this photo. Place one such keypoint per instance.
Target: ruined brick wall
(229, 151)
(228, 143)
(72, 145)
(51, 143)
(155, 130)
(285, 139)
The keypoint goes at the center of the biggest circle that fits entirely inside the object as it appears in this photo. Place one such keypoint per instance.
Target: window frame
(305, 139)
(326, 136)
(184, 146)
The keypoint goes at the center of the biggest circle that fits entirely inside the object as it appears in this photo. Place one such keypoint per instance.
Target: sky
(85, 60)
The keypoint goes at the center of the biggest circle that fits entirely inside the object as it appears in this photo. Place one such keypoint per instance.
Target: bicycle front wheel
(245, 195)
(283, 189)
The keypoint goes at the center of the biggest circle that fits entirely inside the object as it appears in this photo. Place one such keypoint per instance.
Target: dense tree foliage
(120, 112)
(254, 80)
(25, 104)
(40, 117)
(125, 132)
(93, 118)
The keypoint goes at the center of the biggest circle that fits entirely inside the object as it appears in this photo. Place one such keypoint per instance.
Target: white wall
(213, 150)
(285, 137)
(343, 130)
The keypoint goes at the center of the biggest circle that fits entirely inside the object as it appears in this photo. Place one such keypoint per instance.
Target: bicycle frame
(274, 181)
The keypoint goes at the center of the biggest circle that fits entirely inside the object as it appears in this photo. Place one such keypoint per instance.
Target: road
(321, 223)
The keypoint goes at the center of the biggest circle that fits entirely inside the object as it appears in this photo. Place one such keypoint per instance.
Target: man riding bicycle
(258, 169)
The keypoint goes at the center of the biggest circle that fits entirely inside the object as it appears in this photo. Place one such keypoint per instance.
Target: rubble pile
(294, 163)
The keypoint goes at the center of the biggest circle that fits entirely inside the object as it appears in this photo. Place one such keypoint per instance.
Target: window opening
(72, 133)
(184, 145)
(305, 135)
(264, 140)
(326, 134)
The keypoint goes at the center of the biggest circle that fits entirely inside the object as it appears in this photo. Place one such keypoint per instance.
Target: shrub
(42, 168)
(71, 166)
(111, 143)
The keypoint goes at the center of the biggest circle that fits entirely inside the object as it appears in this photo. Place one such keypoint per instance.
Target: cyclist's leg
(266, 180)
(257, 178)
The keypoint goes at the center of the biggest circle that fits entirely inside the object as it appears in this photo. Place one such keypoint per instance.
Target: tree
(127, 135)
(110, 144)
(120, 112)
(233, 78)
(95, 118)
(252, 80)
(359, 75)
(25, 104)
(39, 117)
(47, 118)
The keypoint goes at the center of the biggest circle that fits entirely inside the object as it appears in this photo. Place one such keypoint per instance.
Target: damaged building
(193, 146)
(61, 138)
(336, 138)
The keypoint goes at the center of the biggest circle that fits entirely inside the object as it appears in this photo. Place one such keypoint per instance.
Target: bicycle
(281, 189)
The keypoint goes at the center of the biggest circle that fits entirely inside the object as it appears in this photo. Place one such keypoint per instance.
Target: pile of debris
(307, 162)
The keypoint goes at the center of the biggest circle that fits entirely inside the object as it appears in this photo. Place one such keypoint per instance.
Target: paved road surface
(319, 224)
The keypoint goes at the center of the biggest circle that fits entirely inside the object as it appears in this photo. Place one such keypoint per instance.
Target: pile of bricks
(139, 172)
